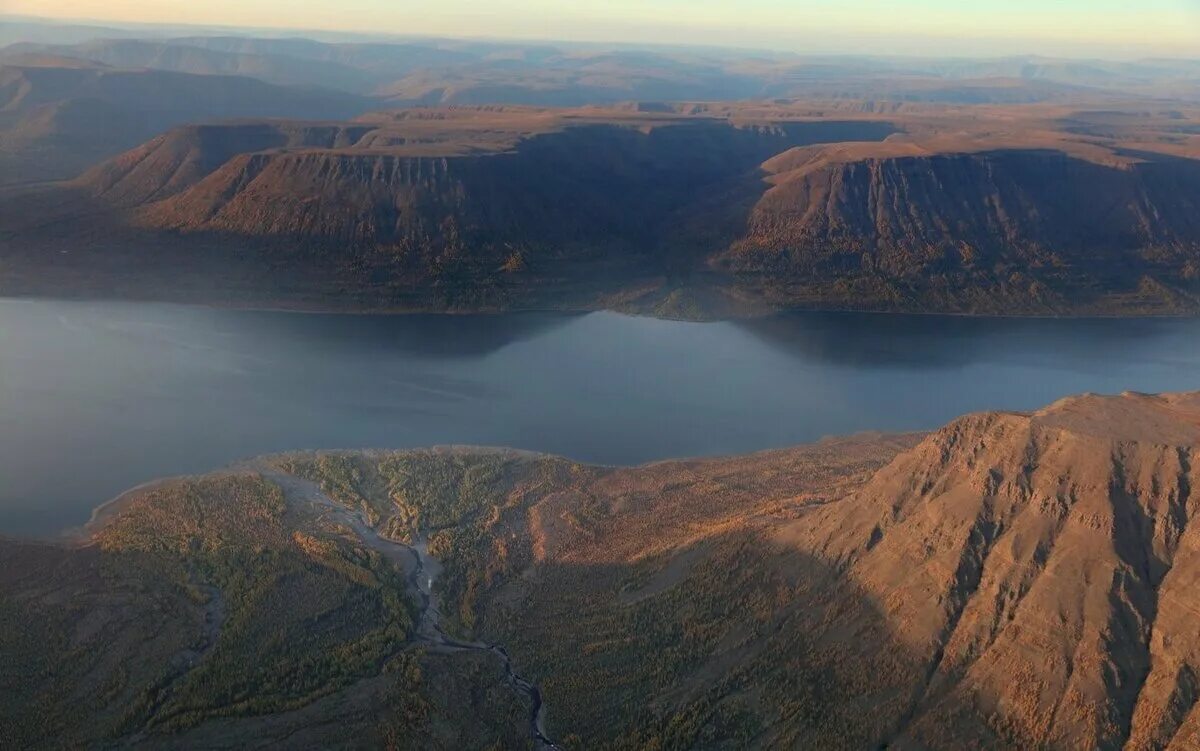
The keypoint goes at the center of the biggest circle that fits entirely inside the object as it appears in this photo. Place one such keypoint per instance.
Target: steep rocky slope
(678, 209)
(1032, 226)
(596, 183)
(1010, 581)
(184, 156)
(460, 202)
(1043, 566)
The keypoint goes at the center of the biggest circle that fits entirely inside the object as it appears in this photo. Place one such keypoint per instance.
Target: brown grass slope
(1011, 581)
(1044, 566)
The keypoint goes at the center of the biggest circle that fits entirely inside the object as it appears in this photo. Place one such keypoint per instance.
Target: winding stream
(423, 570)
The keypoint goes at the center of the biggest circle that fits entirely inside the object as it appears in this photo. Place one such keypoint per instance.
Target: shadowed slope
(679, 209)
(1041, 564)
(1009, 581)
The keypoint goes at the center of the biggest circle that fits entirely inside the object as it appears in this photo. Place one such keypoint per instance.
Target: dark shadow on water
(436, 336)
(921, 342)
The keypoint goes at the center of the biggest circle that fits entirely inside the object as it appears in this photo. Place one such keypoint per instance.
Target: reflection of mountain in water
(936, 342)
(438, 336)
(399, 365)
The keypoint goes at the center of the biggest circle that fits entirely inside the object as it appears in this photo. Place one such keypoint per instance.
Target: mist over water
(98, 397)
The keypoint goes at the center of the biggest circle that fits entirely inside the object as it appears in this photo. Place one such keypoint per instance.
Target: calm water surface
(98, 397)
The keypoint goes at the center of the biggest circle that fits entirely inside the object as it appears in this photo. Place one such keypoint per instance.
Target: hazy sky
(1122, 27)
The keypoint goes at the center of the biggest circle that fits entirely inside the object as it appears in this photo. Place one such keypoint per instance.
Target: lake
(98, 397)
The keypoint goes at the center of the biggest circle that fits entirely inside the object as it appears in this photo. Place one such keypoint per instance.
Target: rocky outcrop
(1044, 566)
(738, 209)
(567, 189)
(1043, 225)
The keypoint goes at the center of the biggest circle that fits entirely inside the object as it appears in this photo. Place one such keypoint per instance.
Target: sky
(1082, 27)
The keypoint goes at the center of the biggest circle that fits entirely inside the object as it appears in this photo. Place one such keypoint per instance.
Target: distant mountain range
(58, 116)
(458, 72)
(442, 174)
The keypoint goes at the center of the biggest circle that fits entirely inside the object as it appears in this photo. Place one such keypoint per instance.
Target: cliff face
(177, 160)
(730, 209)
(1010, 581)
(1040, 223)
(576, 190)
(1045, 568)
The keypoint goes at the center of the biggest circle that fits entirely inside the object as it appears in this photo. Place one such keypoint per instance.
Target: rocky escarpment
(616, 193)
(678, 210)
(1032, 227)
(1044, 567)
(177, 160)
(1010, 581)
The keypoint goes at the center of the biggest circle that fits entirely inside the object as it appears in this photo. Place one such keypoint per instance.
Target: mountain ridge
(56, 120)
(1011, 580)
(693, 210)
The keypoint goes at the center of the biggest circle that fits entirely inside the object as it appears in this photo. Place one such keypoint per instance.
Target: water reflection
(933, 342)
(97, 397)
(437, 336)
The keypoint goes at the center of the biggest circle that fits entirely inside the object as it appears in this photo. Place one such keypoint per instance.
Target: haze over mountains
(434, 174)
(58, 116)
(442, 71)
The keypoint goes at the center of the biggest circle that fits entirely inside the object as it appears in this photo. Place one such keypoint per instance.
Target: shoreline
(758, 314)
(266, 464)
(82, 535)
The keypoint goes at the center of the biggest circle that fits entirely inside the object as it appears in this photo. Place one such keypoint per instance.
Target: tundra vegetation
(858, 592)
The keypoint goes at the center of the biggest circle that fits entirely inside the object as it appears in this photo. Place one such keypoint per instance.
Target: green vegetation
(459, 500)
(719, 644)
(301, 616)
(214, 598)
(277, 619)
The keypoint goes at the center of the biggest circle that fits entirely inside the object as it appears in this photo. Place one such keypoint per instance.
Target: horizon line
(299, 32)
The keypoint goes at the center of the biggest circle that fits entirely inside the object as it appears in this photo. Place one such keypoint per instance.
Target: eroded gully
(423, 570)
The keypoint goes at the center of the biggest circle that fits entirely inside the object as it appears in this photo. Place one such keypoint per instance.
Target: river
(96, 397)
(423, 570)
